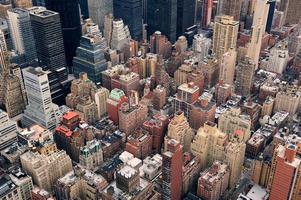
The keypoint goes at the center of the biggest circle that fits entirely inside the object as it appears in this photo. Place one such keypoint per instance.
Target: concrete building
(233, 120)
(10, 190)
(101, 97)
(201, 46)
(288, 100)
(80, 183)
(211, 144)
(159, 98)
(120, 35)
(90, 56)
(244, 77)
(277, 61)
(214, 181)
(159, 44)
(210, 68)
(46, 170)
(23, 182)
(21, 33)
(91, 155)
(179, 130)
(224, 34)
(8, 130)
(126, 82)
(40, 109)
(227, 67)
(152, 167)
(22, 3)
(172, 170)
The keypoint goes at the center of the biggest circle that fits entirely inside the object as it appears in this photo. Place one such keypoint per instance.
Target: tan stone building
(180, 130)
(224, 34)
(45, 170)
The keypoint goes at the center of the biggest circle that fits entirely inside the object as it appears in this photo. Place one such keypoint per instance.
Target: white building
(8, 130)
(21, 33)
(120, 35)
(201, 46)
(40, 109)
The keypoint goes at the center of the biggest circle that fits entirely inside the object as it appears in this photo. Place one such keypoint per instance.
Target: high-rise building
(230, 7)
(98, 9)
(260, 18)
(179, 130)
(50, 46)
(160, 45)
(90, 54)
(286, 178)
(21, 33)
(71, 25)
(45, 170)
(101, 97)
(211, 144)
(185, 15)
(201, 46)
(130, 11)
(158, 10)
(244, 76)
(8, 130)
(159, 98)
(292, 13)
(172, 170)
(224, 34)
(22, 181)
(232, 120)
(40, 109)
(210, 68)
(84, 8)
(227, 67)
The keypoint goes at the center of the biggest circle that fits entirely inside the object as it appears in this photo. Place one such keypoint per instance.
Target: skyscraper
(157, 10)
(131, 13)
(21, 33)
(204, 12)
(40, 109)
(98, 9)
(90, 54)
(227, 67)
(272, 8)
(230, 7)
(224, 34)
(185, 15)
(48, 36)
(71, 25)
(258, 29)
(172, 171)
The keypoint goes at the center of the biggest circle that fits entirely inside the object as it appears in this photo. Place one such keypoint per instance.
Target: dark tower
(70, 20)
(185, 15)
(162, 16)
(131, 13)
